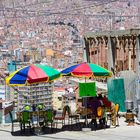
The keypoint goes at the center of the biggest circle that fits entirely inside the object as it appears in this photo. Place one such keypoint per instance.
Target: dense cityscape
(30, 28)
(46, 37)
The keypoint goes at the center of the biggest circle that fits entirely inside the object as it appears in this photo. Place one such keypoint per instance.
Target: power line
(42, 13)
(85, 7)
(43, 2)
(87, 15)
(52, 12)
(32, 4)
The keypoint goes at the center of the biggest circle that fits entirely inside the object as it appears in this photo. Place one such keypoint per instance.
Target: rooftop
(113, 33)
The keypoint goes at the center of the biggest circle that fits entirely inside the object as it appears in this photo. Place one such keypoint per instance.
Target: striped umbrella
(32, 74)
(86, 70)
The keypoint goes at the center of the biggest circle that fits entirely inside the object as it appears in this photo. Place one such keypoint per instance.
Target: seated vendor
(93, 103)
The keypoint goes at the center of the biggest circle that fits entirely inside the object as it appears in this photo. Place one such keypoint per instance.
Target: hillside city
(56, 34)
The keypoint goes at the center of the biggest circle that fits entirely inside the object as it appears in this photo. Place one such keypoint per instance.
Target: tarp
(116, 92)
(129, 84)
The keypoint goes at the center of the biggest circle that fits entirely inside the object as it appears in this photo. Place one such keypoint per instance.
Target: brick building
(115, 50)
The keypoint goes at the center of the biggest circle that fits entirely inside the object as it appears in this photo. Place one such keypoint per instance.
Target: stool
(130, 118)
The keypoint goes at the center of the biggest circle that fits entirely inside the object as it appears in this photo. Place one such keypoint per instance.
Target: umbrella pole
(37, 111)
(18, 102)
(86, 119)
(86, 128)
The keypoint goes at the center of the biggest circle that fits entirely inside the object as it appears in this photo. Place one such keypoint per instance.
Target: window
(60, 98)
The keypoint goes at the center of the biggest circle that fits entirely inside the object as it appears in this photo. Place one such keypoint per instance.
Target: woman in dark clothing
(94, 103)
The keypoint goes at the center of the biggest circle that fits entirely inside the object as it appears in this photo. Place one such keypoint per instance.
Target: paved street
(123, 132)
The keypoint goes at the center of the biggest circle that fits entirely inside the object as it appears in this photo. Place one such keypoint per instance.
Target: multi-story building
(34, 94)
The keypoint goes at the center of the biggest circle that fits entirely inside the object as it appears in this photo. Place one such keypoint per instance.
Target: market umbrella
(86, 70)
(35, 73)
(32, 74)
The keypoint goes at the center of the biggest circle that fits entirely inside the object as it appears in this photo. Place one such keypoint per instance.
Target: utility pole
(138, 75)
(138, 67)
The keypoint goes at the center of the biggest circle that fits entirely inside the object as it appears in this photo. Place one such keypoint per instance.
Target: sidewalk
(123, 132)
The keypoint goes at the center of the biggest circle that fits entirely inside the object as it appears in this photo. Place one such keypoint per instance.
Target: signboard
(87, 89)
